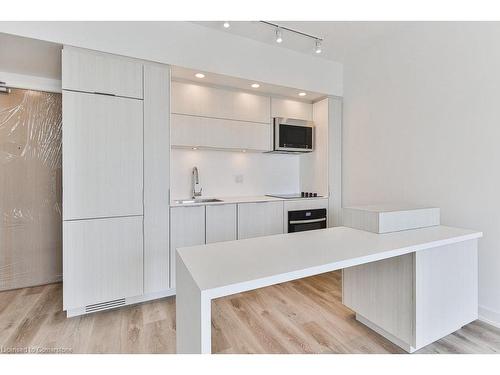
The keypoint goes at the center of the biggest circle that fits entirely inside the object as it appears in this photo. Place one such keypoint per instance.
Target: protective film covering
(30, 188)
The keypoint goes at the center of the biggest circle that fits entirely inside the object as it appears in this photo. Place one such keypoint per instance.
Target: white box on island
(390, 217)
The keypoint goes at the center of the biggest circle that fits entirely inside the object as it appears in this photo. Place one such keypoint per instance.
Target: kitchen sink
(200, 200)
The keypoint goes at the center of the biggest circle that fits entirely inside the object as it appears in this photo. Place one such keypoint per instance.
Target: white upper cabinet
(259, 219)
(197, 100)
(102, 156)
(289, 108)
(189, 131)
(96, 72)
(221, 223)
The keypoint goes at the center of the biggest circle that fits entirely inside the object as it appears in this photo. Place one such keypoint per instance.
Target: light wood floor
(303, 316)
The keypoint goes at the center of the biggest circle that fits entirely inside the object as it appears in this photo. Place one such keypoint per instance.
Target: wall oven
(292, 135)
(299, 221)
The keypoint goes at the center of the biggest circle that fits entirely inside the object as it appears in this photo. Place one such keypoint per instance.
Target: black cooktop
(295, 195)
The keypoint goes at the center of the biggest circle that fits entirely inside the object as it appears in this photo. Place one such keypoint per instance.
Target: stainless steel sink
(200, 200)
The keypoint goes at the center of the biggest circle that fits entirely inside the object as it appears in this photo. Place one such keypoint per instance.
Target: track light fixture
(278, 29)
(279, 36)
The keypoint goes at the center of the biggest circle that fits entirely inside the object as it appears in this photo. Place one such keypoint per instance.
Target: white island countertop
(230, 267)
(224, 268)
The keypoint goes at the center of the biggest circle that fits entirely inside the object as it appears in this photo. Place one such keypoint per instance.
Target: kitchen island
(422, 284)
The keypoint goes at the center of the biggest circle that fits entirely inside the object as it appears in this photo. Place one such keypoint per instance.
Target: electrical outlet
(238, 178)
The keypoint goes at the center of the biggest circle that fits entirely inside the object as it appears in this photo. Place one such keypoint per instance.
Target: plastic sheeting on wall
(30, 188)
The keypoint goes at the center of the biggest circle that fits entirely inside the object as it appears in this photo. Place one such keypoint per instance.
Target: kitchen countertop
(234, 200)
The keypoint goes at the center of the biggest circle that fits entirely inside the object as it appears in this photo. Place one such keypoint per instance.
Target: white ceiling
(341, 39)
(30, 56)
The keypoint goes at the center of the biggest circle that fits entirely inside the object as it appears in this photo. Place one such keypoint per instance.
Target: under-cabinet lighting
(195, 148)
(255, 85)
(199, 75)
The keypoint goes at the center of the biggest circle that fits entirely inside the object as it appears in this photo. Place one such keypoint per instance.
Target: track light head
(317, 47)
(279, 36)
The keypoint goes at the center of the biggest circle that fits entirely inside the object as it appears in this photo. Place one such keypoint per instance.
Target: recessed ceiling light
(199, 75)
(226, 25)
(255, 85)
(302, 94)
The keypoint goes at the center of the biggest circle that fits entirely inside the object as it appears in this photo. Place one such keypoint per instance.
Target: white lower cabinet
(421, 297)
(103, 260)
(187, 228)
(260, 219)
(221, 223)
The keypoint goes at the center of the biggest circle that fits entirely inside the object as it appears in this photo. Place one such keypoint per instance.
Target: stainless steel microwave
(292, 135)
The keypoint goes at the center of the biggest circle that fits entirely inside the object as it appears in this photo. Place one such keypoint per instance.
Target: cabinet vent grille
(105, 305)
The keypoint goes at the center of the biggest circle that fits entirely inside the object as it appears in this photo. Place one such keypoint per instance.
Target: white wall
(261, 173)
(422, 124)
(193, 46)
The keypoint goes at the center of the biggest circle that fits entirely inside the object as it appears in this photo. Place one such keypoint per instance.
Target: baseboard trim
(128, 301)
(55, 280)
(150, 296)
(489, 316)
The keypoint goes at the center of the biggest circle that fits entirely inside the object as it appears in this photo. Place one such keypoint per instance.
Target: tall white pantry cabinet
(116, 147)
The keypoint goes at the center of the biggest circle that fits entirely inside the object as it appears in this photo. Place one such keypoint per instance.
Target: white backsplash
(227, 174)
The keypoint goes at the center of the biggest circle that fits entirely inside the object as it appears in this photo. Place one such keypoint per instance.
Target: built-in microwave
(292, 135)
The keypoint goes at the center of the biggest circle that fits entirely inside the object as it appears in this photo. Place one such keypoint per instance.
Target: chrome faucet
(195, 180)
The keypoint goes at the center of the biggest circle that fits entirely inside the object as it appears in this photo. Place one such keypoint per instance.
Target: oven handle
(307, 221)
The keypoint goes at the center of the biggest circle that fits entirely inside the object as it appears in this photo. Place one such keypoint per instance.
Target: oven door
(299, 221)
(293, 137)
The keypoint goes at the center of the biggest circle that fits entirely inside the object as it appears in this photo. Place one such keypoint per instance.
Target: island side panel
(193, 314)
(382, 293)
(446, 290)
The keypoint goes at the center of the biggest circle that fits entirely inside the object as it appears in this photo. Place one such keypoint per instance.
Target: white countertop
(247, 264)
(389, 207)
(233, 200)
